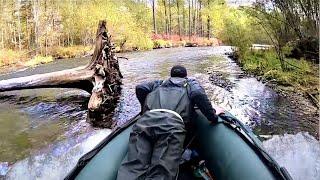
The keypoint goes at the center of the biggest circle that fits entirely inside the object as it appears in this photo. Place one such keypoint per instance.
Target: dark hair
(178, 71)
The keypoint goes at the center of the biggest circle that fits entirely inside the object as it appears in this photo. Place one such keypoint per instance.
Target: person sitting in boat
(156, 140)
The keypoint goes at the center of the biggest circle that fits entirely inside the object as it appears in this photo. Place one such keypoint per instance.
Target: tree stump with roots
(101, 77)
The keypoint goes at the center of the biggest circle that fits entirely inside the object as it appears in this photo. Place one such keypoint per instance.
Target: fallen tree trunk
(101, 77)
(74, 78)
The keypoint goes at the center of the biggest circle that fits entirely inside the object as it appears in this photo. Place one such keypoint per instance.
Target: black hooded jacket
(195, 92)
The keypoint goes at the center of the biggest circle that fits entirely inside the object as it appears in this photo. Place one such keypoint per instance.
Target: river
(44, 132)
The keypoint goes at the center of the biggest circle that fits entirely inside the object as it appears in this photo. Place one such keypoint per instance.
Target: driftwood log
(101, 77)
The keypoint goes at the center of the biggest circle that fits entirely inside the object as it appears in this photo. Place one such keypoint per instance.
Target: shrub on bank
(180, 43)
(8, 57)
(174, 40)
(70, 52)
(160, 43)
(299, 73)
(39, 60)
(144, 43)
(23, 58)
(133, 43)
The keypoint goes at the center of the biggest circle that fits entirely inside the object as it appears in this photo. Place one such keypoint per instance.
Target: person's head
(178, 71)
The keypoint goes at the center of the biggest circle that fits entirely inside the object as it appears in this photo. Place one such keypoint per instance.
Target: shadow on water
(33, 119)
(46, 130)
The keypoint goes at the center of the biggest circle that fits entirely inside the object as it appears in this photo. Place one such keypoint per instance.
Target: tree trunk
(179, 24)
(65, 78)
(189, 20)
(200, 20)
(14, 37)
(281, 58)
(101, 77)
(195, 9)
(36, 24)
(192, 17)
(170, 19)
(165, 16)
(19, 24)
(184, 21)
(208, 22)
(154, 17)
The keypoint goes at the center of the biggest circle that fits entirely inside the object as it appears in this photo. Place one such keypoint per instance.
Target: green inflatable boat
(229, 149)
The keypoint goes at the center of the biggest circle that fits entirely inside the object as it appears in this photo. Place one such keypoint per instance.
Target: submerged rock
(218, 79)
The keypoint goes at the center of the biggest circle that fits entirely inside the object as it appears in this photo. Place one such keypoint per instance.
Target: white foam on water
(54, 165)
(225, 99)
(299, 154)
(4, 168)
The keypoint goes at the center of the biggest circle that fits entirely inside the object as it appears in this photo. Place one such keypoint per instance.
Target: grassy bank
(10, 57)
(24, 58)
(300, 75)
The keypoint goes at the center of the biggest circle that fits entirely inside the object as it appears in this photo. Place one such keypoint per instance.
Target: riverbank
(300, 79)
(11, 60)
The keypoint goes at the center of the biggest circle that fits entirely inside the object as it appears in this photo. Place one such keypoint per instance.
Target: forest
(48, 27)
(65, 28)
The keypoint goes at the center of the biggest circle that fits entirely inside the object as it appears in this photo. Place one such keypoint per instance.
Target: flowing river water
(44, 131)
